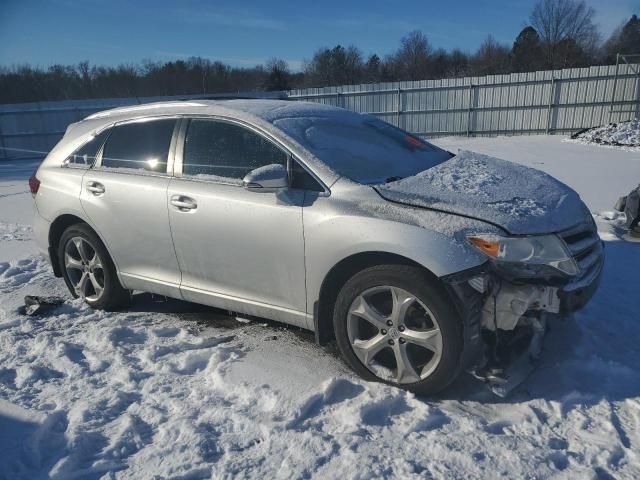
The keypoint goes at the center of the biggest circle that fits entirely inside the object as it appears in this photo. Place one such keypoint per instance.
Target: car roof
(264, 109)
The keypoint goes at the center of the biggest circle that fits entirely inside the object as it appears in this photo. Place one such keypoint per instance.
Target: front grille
(586, 248)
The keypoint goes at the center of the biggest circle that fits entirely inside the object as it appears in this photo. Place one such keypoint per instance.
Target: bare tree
(278, 78)
(458, 64)
(492, 58)
(566, 29)
(411, 60)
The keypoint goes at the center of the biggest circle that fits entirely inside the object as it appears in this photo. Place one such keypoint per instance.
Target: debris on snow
(37, 305)
(622, 134)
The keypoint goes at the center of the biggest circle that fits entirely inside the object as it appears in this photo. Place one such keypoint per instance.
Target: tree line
(560, 34)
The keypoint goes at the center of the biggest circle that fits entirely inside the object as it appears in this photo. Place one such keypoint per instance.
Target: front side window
(85, 156)
(139, 145)
(226, 151)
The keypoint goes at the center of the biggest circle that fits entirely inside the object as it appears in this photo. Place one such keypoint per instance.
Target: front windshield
(363, 148)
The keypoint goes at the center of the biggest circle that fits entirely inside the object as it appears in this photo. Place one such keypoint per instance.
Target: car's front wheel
(88, 270)
(395, 324)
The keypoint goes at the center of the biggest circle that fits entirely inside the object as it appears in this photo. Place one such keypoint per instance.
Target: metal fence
(28, 129)
(558, 101)
(555, 101)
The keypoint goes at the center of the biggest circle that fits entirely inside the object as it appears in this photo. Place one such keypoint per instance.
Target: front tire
(395, 324)
(88, 269)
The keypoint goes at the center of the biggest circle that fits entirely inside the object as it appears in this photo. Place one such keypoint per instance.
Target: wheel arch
(338, 276)
(57, 228)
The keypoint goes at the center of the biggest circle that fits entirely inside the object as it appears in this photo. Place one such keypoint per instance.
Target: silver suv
(419, 263)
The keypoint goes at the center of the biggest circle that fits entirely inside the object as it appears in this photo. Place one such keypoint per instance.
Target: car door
(237, 249)
(125, 198)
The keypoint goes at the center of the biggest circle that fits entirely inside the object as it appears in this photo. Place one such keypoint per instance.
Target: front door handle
(95, 187)
(183, 203)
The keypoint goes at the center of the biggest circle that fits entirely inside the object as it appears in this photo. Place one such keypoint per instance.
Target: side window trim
(66, 164)
(98, 161)
(182, 134)
(170, 157)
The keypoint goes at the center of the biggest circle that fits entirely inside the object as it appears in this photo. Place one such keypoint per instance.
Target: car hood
(519, 199)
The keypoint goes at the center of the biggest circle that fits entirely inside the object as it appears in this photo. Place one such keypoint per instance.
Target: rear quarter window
(86, 155)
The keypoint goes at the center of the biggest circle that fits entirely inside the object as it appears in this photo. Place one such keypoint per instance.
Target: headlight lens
(527, 252)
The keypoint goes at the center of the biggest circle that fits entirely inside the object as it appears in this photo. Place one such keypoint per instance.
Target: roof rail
(139, 107)
(227, 96)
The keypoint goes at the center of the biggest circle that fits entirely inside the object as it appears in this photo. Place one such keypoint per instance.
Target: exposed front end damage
(506, 322)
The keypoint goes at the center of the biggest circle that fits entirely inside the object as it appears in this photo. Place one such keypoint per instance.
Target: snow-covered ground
(174, 390)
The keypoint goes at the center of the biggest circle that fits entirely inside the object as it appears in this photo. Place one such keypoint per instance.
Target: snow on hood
(520, 199)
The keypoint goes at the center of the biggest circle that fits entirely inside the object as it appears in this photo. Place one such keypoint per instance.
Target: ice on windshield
(361, 147)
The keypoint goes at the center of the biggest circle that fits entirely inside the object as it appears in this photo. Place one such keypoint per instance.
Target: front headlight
(526, 256)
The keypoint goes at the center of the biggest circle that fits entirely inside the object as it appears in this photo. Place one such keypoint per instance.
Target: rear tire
(395, 324)
(88, 270)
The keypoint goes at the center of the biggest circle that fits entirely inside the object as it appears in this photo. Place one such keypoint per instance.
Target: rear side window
(86, 154)
(226, 151)
(140, 145)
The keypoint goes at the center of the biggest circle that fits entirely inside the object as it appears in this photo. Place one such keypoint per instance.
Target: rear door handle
(183, 203)
(95, 187)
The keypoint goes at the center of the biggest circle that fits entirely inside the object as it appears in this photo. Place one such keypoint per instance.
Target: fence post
(615, 84)
(469, 108)
(2, 144)
(399, 105)
(552, 93)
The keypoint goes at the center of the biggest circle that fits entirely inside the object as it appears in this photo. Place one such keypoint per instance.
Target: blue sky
(246, 33)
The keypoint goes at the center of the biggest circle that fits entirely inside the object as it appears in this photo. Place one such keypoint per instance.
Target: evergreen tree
(527, 54)
(625, 39)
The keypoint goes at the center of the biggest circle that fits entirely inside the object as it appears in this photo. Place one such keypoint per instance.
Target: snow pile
(522, 200)
(623, 134)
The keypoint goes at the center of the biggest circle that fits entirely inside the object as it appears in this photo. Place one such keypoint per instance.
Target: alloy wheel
(394, 334)
(84, 268)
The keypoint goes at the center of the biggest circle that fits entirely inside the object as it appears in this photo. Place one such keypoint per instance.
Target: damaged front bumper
(507, 321)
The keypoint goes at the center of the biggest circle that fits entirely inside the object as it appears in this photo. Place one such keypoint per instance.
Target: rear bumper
(41, 228)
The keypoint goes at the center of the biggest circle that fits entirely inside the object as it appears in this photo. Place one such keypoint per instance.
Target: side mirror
(267, 179)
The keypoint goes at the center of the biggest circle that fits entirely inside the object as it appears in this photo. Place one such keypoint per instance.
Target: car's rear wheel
(88, 269)
(395, 324)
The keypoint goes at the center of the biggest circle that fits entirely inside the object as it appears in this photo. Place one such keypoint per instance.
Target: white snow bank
(623, 134)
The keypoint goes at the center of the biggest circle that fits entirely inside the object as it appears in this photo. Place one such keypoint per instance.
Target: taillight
(34, 184)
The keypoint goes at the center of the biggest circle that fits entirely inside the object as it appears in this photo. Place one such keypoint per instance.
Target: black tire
(433, 295)
(114, 296)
